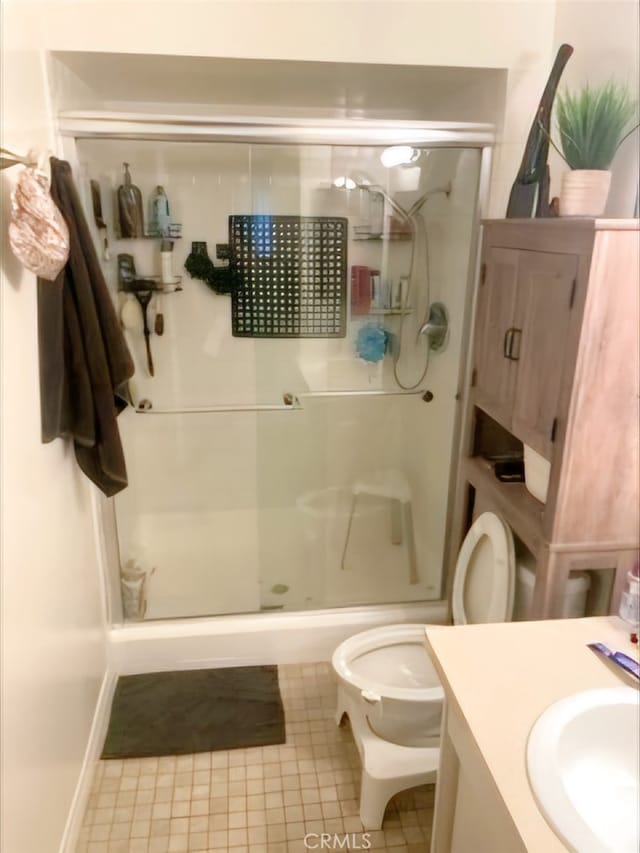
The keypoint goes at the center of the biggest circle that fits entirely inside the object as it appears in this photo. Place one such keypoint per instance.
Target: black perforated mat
(293, 276)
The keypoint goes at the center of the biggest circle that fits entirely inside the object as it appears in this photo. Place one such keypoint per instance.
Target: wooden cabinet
(546, 296)
(555, 367)
(494, 373)
(524, 302)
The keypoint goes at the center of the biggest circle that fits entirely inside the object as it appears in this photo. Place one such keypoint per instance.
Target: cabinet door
(494, 375)
(546, 290)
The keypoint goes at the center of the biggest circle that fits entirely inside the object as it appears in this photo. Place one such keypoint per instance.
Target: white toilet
(388, 686)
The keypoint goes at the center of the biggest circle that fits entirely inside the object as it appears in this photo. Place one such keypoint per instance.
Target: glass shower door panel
(337, 500)
(189, 518)
(336, 517)
(353, 489)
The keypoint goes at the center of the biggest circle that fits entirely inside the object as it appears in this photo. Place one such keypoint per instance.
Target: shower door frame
(75, 125)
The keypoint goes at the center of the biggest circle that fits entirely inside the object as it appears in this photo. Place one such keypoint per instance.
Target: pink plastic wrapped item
(38, 234)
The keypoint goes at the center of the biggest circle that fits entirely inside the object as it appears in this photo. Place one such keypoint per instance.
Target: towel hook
(9, 158)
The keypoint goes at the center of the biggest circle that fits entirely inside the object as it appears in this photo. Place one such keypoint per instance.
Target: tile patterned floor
(258, 800)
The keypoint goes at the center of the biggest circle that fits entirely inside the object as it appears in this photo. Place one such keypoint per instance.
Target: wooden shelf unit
(518, 507)
(555, 366)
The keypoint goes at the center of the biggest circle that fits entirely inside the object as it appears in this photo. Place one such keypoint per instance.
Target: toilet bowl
(391, 675)
(387, 673)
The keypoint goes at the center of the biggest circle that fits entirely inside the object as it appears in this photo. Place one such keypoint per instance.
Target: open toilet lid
(484, 581)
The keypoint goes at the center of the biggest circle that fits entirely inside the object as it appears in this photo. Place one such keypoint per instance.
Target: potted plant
(592, 124)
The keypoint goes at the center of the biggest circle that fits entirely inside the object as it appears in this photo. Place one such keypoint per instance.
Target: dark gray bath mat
(177, 713)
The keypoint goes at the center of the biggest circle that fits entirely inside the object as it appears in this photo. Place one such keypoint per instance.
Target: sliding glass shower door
(282, 457)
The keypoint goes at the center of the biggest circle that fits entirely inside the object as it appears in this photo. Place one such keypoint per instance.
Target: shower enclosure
(272, 469)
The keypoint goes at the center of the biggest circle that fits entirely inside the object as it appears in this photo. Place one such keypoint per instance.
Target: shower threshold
(253, 639)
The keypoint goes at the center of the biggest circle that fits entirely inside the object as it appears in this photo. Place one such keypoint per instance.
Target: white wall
(518, 35)
(512, 34)
(606, 38)
(53, 631)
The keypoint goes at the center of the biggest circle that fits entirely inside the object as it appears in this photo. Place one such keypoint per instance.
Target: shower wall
(232, 512)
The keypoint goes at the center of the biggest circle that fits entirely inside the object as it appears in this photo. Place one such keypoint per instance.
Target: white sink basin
(582, 760)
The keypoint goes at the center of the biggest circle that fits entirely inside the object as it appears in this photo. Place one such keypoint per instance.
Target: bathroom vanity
(498, 680)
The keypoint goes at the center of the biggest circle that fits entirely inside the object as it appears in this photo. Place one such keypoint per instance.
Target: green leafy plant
(593, 124)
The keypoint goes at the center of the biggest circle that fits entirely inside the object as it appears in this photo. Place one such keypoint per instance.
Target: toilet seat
(484, 580)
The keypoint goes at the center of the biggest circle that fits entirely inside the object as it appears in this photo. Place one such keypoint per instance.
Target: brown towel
(84, 360)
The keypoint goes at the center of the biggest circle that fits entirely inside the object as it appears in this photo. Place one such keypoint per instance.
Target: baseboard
(92, 753)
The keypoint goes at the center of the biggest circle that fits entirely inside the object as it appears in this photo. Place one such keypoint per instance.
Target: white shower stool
(387, 768)
(391, 484)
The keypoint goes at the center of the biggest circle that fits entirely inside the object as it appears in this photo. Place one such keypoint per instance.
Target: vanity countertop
(501, 677)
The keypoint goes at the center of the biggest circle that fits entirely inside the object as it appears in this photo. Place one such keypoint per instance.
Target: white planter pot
(584, 192)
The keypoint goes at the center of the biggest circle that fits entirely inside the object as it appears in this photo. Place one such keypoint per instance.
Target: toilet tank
(574, 600)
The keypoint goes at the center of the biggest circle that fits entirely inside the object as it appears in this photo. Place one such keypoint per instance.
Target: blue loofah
(371, 342)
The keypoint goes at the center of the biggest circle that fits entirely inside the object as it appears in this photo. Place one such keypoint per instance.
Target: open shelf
(518, 507)
(154, 283)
